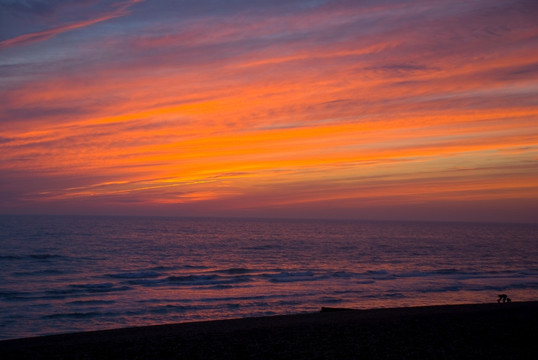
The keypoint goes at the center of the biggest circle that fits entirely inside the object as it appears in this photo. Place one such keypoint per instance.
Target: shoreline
(491, 330)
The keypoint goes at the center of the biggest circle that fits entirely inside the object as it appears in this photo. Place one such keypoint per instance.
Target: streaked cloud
(44, 8)
(260, 107)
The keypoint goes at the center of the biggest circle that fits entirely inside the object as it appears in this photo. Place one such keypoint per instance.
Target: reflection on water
(62, 274)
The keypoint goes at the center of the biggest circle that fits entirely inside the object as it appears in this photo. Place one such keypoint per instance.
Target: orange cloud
(250, 115)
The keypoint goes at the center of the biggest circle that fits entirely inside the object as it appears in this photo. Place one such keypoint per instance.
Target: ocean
(62, 274)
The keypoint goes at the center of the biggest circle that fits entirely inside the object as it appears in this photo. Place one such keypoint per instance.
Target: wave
(393, 295)
(174, 309)
(364, 282)
(92, 302)
(443, 280)
(448, 271)
(11, 257)
(441, 289)
(192, 278)
(91, 288)
(287, 276)
(377, 272)
(199, 267)
(84, 289)
(212, 279)
(44, 256)
(74, 315)
(46, 272)
(234, 271)
(86, 314)
(135, 275)
(31, 256)
(168, 309)
(7, 295)
(325, 300)
(504, 287)
(226, 278)
(263, 247)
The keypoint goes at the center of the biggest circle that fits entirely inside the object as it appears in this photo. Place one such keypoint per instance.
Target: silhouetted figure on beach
(504, 298)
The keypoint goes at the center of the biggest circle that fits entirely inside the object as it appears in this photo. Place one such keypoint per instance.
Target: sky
(378, 110)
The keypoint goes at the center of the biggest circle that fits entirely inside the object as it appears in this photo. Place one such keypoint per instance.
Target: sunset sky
(417, 110)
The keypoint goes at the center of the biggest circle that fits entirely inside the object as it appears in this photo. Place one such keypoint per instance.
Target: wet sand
(479, 331)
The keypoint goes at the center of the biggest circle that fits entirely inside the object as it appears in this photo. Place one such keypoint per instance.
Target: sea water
(63, 274)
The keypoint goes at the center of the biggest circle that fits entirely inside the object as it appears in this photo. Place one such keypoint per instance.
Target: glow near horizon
(316, 108)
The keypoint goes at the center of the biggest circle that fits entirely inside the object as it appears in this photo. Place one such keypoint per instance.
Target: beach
(473, 331)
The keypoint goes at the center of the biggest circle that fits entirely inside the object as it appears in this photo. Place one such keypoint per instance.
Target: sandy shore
(481, 331)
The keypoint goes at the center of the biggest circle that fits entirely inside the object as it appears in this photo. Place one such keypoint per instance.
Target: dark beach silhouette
(435, 332)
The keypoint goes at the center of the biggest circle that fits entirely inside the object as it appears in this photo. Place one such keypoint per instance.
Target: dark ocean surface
(64, 274)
